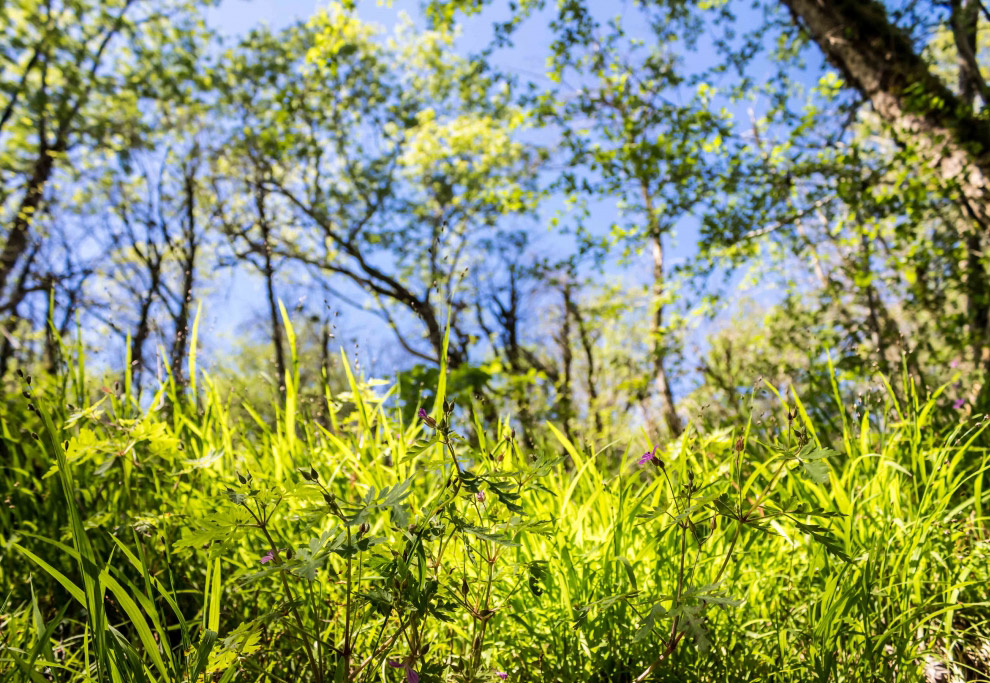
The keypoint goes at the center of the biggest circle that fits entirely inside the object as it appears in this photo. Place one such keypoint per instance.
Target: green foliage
(182, 541)
(820, 514)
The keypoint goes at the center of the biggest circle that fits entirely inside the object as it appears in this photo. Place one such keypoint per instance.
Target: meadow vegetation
(175, 541)
(483, 340)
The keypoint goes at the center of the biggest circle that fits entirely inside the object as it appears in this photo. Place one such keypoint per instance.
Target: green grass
(779, 549)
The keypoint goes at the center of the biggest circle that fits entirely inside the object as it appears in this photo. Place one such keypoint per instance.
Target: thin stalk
(347, 608)
(317, 673)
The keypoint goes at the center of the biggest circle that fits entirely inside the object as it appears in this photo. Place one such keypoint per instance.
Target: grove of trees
(831, 154)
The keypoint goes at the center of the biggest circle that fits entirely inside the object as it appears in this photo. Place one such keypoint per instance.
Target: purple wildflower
(425, 417)
(502, 675)
(411, 675)
(648, 456)
(959, 403)
(481, 496)
(269, 557)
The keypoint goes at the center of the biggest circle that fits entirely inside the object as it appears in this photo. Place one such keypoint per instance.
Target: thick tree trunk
(878, 59)
(20, 228)
(964, 21)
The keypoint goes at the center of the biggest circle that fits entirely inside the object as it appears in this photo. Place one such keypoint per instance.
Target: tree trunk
(670, 417)
(564, 392)
(17, 239)
(964, 20)
(878, 59)
(269, 273)
(660, 380)
(188, 281)
(137, 341)
(589, 358)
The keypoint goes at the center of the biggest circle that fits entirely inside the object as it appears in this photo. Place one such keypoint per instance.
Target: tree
(390, 168)
(938, 127)
(74, 77)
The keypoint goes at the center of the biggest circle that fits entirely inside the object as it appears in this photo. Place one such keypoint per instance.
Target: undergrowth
(180, 539)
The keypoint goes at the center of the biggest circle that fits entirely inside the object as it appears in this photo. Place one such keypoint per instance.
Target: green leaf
(657, 612)
(206, 644)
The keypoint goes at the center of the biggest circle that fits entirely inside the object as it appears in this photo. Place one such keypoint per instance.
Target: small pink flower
(269, 557)
(954, 363)
(502, 675)
(411, 675)
(648, 456)
(480, 496)
(959, 403)
(425, 417)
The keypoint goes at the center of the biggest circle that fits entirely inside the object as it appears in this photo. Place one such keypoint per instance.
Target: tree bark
(17, 239)
(269, 273)
(878, 59)
(141, 332)
(589, 358)
(190, 248)
(964, 21)
(660, 379)
(564, 398)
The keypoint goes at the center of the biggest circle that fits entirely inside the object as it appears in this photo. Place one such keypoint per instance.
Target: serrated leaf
(657, 612)
(816, 470)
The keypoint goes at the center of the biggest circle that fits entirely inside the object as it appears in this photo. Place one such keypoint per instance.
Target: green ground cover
(196, 539)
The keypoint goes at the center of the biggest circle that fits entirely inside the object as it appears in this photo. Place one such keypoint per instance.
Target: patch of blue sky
(241, 299)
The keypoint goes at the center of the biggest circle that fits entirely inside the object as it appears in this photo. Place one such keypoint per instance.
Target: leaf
(206, 644)
(657, 612)
(815, 470)
(627, 565)
(695, 626)
(538, 571)
(826, 538)
(818, 454)
(486, 534)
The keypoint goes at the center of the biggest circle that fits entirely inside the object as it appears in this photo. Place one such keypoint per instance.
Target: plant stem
(317, 673)
(347, 609)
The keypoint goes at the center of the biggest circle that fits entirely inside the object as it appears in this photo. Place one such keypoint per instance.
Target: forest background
(605, 227)
(638, 211)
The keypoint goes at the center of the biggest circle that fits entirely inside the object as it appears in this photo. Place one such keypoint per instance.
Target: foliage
(373, 548)
(724, 421)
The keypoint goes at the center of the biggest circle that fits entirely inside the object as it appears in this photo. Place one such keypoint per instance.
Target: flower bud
(429, 421)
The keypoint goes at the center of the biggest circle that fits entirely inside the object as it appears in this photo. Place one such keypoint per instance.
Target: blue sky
(238, 301)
